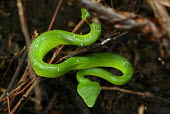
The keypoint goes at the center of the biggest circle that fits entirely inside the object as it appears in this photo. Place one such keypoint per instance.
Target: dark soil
(149, 56)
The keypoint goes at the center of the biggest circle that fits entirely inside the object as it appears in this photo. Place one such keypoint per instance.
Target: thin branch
(16, 74)
(119, 19)
(24, 27)
(25, 95)
(146, 94)
(161, 14)
(78, 26)
(21, 91)
(55, 14)
(59, 48)
(91, 47)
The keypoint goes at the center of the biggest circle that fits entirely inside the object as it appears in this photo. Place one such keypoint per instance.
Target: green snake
(87, 65)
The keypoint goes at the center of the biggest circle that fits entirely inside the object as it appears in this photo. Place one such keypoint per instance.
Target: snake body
(87, 65)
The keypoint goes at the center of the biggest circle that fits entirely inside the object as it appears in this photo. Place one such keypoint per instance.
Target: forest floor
(147, 92)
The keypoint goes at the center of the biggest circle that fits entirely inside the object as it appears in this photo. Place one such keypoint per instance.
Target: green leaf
(89, 92)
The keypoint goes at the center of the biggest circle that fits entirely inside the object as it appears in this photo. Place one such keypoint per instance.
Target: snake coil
(87, 65)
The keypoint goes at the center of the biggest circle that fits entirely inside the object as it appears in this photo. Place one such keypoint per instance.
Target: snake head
(89, 92)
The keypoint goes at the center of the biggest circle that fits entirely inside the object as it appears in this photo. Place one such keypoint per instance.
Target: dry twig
(145, 94)
(55, 14)
(24, 27)
(161, 14)
(121, 20)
